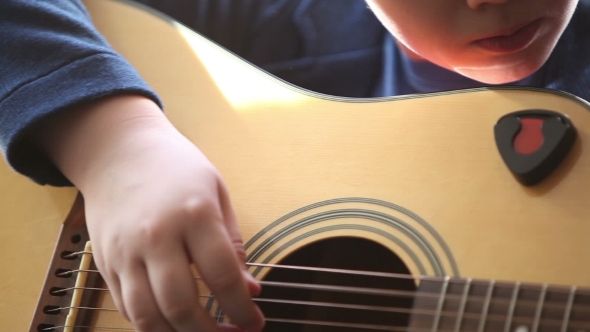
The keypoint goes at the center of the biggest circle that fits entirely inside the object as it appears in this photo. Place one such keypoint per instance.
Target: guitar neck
(456, 304)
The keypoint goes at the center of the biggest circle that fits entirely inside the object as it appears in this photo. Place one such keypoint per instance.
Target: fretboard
(475, 305)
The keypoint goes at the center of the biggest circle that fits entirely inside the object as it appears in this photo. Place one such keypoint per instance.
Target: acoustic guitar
(413, 213)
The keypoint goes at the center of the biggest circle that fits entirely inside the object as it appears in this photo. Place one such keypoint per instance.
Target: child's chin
(511, 68)
(498, 76)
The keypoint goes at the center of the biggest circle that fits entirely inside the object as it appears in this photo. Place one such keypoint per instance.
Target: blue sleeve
(52, 59)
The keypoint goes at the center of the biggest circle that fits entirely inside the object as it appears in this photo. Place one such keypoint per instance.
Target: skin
(443, 32)
(155, 204)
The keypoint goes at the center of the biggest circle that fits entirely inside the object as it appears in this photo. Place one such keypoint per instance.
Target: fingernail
(254, 287)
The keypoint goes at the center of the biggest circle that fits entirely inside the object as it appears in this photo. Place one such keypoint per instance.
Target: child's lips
(511, 40)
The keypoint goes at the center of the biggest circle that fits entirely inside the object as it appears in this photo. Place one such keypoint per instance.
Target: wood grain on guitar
(411, 186)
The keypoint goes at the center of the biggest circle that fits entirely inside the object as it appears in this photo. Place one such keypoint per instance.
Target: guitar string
(292, 321)
(580, 308)
(390, 292)
(373, 327)
(434, 295)
(339, 305)
(380, 292)
(544, 322)
(333, 288)
(388, 328)
(311, 303)
(395, 328)
(461, 281)
(561, 289)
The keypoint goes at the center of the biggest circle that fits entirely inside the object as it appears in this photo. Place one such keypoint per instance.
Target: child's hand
(162, 209)
(154, 205)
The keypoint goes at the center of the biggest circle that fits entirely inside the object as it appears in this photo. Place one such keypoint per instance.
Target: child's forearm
(84, 142)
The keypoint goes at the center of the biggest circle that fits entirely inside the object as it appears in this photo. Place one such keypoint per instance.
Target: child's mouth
(511, 41)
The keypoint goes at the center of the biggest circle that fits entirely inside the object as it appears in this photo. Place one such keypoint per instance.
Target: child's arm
(154, 205)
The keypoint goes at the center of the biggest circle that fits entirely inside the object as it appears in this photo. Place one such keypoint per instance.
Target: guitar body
(419, 175)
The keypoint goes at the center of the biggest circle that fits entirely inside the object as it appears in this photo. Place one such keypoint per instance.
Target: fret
(527, 302)
(539, 309)
(462, 305)
(457, 305)
(486, 306)
(579, 319)
(425, 304)
(568, 309)
(440, 305)
(512, 307)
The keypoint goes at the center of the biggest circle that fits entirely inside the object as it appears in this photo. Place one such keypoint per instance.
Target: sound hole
(341, 253)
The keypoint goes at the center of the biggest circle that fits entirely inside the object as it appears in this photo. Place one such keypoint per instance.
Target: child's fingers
(253, 285)
(176, 292)
(113, 284)
(235, 235)
(140, 303)
(118, 297)
(229, 219)
(213, 252)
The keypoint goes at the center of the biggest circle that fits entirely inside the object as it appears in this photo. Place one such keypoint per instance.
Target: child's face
(458, 34)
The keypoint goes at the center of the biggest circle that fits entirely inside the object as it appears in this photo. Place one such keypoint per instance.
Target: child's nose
(476, 4)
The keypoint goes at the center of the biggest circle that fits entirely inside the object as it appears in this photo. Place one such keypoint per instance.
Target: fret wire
(539, 309)
(463, 305)
(486, 307)
(439, 306)
(512, 307)
(568, 309)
